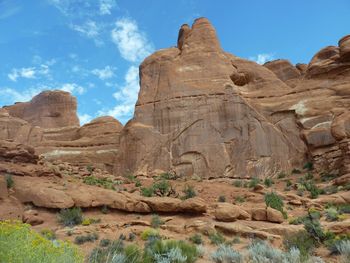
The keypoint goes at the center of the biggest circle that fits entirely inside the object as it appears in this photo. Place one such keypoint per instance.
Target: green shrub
(288, 183)
(147, 191)
(189, 192)
(156, 221)
(216, 238)
(314, 229)
(106, 183)
(222, 199)
(344, 249)
(149, 233)
(105, 242)
(138, 183)
(9, 181)
(268, 182)
(176, 251)
(309, 176)
(48, 233)
(239, 199)
(344, 209)
(90, 169)
(225, 254)
(79, 240)
(161, 187)
(302, 241)
(196, 239)
(70, 216)
(253, 182)
(331, 214)
(308, 166)
(274, 201)
(108, 254)
(132, 236)
(238, 183)
(18, 243)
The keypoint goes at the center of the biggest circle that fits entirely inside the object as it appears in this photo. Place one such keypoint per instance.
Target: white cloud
(126, 97)
(105, 73)
(72, 88)
(262, 58)
(89, 29)
(84, 118)
(28, 73)
(132, 44)
(106, 6)
(10, 95)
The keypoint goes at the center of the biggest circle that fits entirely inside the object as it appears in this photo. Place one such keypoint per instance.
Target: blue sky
(92, 48)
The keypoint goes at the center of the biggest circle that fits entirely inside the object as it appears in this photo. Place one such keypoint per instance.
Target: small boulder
(32, 217)
(259, 214)
(228, 212)
(273, 215)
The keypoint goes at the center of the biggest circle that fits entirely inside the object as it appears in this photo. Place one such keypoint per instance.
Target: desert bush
(238, 183)
(222, 199)
(196, 239)
(309, 176)
(9, 181)
(105, 242)
(239, 199)
(253, 182)
(331, 214)
(268, 182)
(70, 216)
(149, 233)
(226, 254)
(79, 240)
(106, 183)
(302, 241)
(138, 183)
(156, 221)
(344, 209)
(170, 251)
(161, 187)
(18, 243)
(344, 250)
(314, 229)
(262, 252)
(274, 201)
(308, 166)
(147, 191)
(189, 192)
(216, 238)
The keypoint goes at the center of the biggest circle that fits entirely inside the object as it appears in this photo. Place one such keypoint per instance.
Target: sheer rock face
(191, 117)
(49, 109)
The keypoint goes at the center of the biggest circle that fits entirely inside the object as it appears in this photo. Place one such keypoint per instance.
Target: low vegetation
(79, 240)
(226, 254)
(106, 183)
(70, 216)
(216, 238)
(19, 243)
(9, 181)
(156, 221)
(189, 192)
(274, 201)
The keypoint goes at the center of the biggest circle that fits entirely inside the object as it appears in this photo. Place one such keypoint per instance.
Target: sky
(92, 48)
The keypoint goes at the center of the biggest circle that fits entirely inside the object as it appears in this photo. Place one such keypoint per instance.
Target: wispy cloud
(126, 96)
(262, 58)
(106, 6)
(89, 29)
(72, 88)
(31, 72)
(105, 73)
(132, 44)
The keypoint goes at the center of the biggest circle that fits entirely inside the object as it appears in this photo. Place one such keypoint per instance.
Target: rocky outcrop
(190, 107)
(49, 109)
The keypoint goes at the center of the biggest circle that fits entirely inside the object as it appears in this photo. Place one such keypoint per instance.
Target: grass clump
(158, 188)
(106, 183)
(281, 175)
(238, 183)
(196, 239)
(309, 166)
(18, 243)
(331, 214)
(253, 182)
(156, 221)
(302, 241)
(226, 254)
(189, 192)
(239, 199)
(296, 171)
(70, 216)
(274, 201)
(268, 182)
(48, 234)
(9, 181)
(216, 238)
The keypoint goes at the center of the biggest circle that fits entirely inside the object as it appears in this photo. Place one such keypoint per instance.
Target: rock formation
(206, 113)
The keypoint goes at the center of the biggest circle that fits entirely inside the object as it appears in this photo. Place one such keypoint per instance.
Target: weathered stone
(228, 212)
(273, 215)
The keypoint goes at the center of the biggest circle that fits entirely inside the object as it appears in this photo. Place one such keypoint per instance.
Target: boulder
(274, 216)
(227, 212)
(32, 217)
